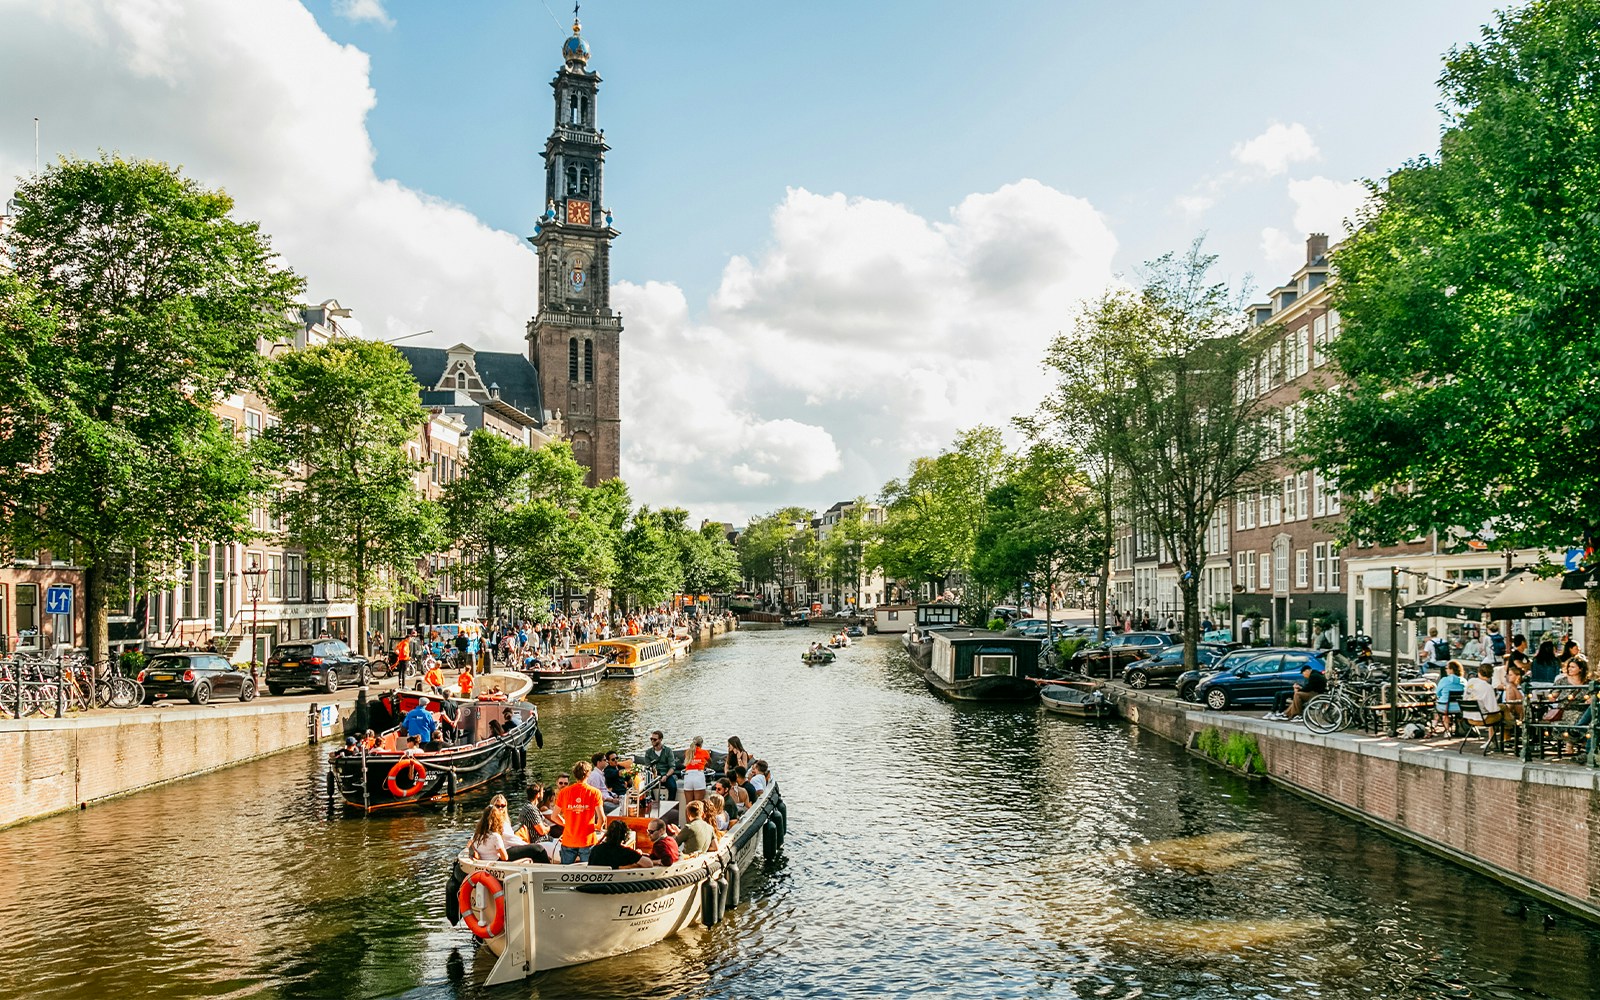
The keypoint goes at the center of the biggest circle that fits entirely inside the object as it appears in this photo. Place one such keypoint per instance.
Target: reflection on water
(933, 848)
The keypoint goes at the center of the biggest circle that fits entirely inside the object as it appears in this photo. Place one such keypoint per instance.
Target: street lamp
(253, 578)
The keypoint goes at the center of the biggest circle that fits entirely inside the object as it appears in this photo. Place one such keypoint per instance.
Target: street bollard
(362, 723)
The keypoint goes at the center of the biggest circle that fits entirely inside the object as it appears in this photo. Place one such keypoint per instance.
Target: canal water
(933, 849)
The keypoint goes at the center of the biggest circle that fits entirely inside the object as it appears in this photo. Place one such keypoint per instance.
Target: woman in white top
(486, 843)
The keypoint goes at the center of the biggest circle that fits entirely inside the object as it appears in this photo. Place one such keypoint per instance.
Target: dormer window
(461, 380)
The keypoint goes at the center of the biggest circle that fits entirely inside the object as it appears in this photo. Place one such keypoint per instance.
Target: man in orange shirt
(464, 680)
(583, 816)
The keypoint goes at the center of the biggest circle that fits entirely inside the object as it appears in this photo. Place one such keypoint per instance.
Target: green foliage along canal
(994, 852)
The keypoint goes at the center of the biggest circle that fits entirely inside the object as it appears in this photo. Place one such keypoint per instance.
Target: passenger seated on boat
(617, 785)
(614, 852)
(517, 847)
(729, 793)
(663, 847)
(495, 729)
(716, 814)
(736, 756)
(489, 839)
(413, 744)
(759, 777)
(696, 835)
(370, 740)
(741, 781)
(597, 778)
(531, 818)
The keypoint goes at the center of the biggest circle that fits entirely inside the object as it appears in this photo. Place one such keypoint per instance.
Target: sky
(848, 230)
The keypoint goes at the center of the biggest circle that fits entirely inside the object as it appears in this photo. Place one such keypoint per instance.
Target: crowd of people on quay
(524, 644)
(1490, 674)
(590, 815)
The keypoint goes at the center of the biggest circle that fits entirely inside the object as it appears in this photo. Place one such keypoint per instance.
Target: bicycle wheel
(124, 693)
(1323, 714)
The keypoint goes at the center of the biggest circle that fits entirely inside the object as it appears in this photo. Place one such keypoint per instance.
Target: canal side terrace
(1532, 824)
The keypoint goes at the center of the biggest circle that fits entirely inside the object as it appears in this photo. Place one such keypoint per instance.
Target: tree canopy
(1470, 301)
(135, 302)
(347, 410)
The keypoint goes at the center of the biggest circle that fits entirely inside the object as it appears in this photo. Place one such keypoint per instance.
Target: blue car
(1258, 680)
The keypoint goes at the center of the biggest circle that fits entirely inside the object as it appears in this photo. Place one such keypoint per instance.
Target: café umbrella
(1517, 595)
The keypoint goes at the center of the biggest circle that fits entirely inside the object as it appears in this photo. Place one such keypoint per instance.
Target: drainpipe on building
(1394, 650)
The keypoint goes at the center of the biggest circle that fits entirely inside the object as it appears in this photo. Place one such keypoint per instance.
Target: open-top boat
(1076, 701)
(818, 655)
(492, 738)
(569, 673)
(532, 917)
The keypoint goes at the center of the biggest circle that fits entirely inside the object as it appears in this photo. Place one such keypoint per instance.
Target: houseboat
(967, 664)
(630, 655)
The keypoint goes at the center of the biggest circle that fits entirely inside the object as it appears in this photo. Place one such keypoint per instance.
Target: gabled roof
(513, 374)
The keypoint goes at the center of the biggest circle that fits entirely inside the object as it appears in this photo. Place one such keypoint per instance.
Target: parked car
(1106, 659)
(1038, 628)
(1164, 666)
(1188, 681)
(1260, 679)
(197, 677)
(1007, 613)
(321, 666)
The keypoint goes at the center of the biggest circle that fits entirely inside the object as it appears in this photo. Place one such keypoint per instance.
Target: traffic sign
(1573, 560)
(58, 601)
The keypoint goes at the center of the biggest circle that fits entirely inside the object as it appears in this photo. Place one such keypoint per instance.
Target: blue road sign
(1574, 556)
(58, 601)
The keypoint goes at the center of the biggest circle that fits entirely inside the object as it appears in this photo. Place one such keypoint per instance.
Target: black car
(1188, 682)
(1107, 659)
(322, 665)
(197, 677)
(1164, 666)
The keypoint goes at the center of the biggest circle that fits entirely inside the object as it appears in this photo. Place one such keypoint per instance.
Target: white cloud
(256, 99)
(1195, 205)
(363, 10)
(865, 335)
(1274, 150)
(1321, 205)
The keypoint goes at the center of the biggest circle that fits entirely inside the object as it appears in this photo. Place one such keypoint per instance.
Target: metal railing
(1561, 715)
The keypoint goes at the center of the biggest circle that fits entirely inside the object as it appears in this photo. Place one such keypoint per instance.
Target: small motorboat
(815, 656)
(570, 673)
(855, 632)
(1079, 702)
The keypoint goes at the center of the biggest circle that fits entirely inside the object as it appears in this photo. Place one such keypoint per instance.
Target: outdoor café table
(1416, 704)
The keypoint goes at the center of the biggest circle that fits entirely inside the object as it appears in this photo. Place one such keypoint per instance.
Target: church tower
(575, 339)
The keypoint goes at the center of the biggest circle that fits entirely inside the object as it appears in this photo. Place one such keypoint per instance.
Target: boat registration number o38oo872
(587, 877)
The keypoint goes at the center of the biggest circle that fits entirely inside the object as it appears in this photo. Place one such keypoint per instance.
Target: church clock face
(579, 213)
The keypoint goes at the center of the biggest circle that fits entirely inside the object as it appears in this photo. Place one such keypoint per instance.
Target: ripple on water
(934, 849)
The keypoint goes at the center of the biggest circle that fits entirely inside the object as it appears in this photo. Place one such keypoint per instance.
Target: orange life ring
(409, 764)
(497, 903)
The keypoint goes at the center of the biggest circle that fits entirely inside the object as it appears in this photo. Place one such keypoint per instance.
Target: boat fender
(450, 785)
(538, 738)
(769, 840)
(452, 905)
(710, 902)
(783, 825)
(735, 886)
(406, 791)
(332, 785)
(497, 905)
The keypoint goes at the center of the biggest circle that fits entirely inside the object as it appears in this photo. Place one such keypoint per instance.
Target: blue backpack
(1498, 641)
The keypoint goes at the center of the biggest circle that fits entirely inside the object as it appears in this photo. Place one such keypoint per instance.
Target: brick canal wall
(52, 765)
(1536, 826)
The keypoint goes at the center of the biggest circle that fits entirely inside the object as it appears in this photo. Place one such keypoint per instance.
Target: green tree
(1470, 300)
(707, 563)
(347, 410)
(933, 516)
(648, 571)
(778, 548)
(1172, 421)
(136, 302)
(1045, 524)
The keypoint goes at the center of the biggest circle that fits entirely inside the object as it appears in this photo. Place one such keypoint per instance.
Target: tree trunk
(1191, 619)
(1591, 628)
(95, 634)
(488, 587)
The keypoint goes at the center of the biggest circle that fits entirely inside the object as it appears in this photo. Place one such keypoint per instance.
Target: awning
(1518, 594)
